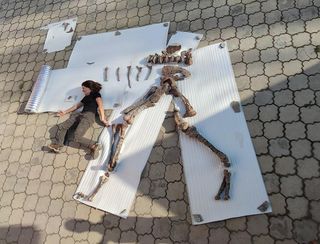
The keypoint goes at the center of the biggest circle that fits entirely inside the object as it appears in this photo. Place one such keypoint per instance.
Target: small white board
(59, 35)
(211, 89)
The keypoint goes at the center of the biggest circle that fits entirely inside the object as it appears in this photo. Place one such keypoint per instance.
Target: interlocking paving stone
(305, 231)
(272, 50)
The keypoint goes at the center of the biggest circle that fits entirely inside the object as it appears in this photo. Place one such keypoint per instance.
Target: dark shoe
(55, 147)
(95, 150)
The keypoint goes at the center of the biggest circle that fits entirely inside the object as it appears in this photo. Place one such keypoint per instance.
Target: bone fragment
(121, 130)
(118, 73)
(105, 74)
(169, 70)
(128, 75)
(149, 71)
(172, 48)
(138, 73)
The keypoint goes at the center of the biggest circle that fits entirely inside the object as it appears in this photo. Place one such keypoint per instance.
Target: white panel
(59, 35)
(210, 89)
(129, 47)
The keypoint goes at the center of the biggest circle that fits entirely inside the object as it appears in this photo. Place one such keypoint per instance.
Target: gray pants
(84, 120)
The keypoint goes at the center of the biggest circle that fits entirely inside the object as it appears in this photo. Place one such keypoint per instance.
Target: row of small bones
(165, 57)
(168, 85)
(139, 70)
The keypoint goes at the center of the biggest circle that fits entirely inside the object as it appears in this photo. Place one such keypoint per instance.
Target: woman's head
(90, 86)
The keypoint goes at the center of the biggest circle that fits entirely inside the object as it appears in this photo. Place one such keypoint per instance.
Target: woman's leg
(86, 121)
(63, 128)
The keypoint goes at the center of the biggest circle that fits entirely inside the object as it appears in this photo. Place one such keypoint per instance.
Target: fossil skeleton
(192, 132)
(165, 57)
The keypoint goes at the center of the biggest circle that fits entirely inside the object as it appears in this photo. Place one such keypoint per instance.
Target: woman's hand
(105, 122)
(61, 113)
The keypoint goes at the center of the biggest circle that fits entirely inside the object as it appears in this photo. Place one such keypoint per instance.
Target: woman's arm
(101, 111)
(69, 110)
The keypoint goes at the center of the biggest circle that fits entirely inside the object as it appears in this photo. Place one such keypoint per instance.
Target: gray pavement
(272, 47)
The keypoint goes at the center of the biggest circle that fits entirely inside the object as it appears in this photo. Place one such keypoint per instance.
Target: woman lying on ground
(91, 103)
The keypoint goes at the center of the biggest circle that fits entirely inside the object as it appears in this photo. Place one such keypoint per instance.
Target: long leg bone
(102, 179)
(121, 129)
(193, 133)
(222, 186)
(141, 101)
(139, 71)
(128, 75)
(227, 189)
(190, 112)
(150, 102)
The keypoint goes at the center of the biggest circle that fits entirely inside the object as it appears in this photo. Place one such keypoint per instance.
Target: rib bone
(128, 75)
(118, 74)
(139, 71)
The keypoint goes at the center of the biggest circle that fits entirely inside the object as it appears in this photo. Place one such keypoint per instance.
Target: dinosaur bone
(152, 99)
(225, 186)
(172, 48)
(192, 132)
(185, 57)
(117, 141)
(139, 71)
(128, 75)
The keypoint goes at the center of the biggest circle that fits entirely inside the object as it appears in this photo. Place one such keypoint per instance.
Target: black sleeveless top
(89, 102)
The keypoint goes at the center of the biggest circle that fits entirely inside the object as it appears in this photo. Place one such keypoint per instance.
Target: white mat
(59, 35)
(117, 195)
(120, 48)
(210, 90)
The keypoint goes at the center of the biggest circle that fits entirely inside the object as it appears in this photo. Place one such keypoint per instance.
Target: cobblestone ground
(272, 47)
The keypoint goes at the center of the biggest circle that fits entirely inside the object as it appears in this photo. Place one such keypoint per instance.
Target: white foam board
(210, 89)
(59, 35)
